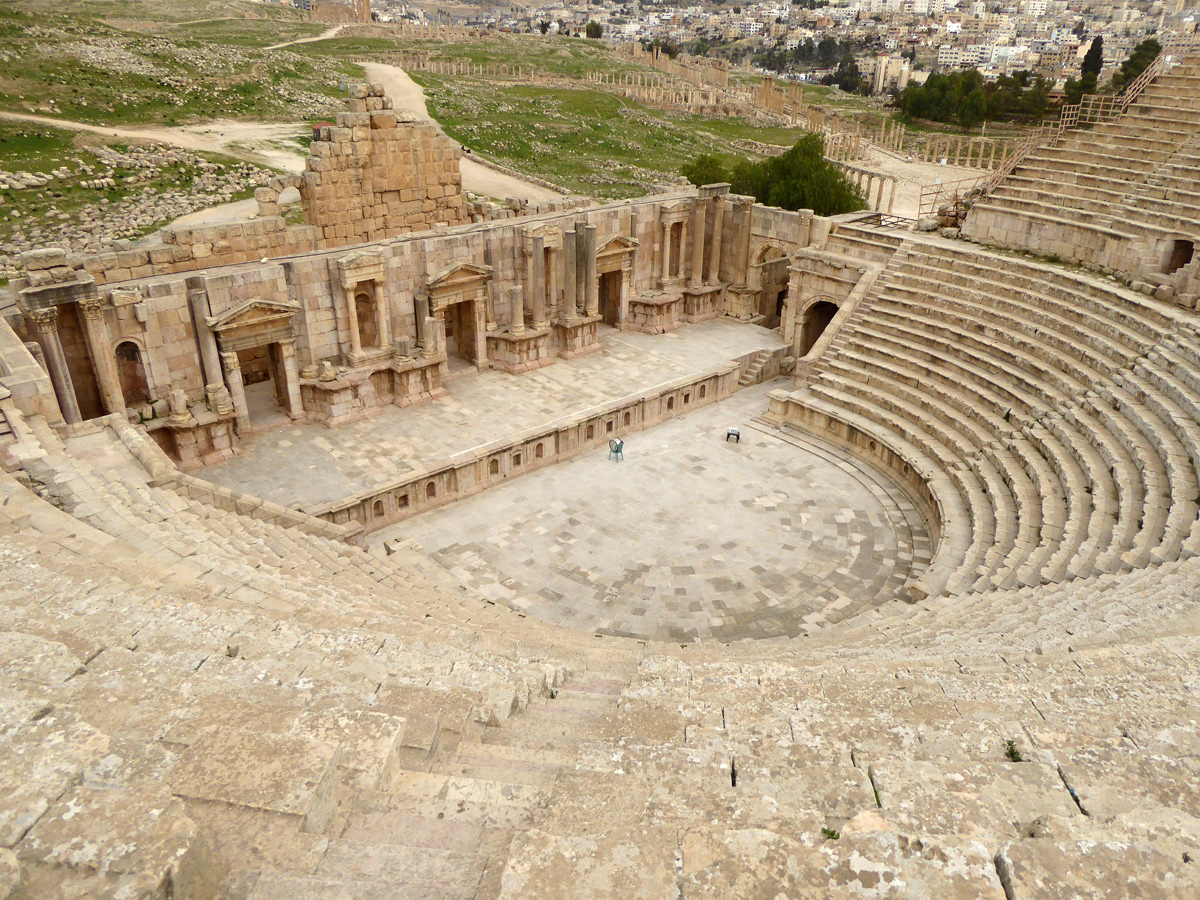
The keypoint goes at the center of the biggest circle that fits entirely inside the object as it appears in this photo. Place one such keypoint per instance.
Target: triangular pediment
(458, 274)
(255, 311)
(677, 206)
(617, 244)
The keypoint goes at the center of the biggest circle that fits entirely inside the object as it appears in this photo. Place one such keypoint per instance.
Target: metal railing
(1091, 110)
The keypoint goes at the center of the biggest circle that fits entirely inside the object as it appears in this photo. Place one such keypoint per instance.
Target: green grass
(590, 141)
(40, 149)
(66, 71)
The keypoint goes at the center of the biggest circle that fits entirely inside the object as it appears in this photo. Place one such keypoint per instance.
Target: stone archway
(768, 276)
(131, 372)
(812, 321)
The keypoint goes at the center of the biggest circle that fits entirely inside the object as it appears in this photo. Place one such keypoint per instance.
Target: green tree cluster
(799, 179)
(594, 29)
(964, 98)
(1139, 60)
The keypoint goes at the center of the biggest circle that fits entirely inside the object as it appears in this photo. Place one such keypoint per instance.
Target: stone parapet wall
(189, 249)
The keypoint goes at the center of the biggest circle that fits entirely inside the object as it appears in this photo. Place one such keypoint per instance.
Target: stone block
(293, 776)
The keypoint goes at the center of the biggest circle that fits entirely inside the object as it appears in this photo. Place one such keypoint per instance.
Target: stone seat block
(291, 776)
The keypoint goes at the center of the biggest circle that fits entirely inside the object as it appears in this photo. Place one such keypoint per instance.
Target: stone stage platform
(308, 464)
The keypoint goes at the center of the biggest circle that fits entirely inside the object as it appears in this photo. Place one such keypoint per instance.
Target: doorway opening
(820, 314)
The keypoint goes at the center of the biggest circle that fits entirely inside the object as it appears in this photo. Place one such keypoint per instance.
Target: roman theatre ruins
(671, 547)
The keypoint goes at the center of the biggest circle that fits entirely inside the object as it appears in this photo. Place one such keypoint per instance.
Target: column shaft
(237, 388)
(714, 259)
(570, 261)
(287, 362)
(538, 286)
(698, 244)
(352, 315)
(593, 279)
(104, 363)
(46, 323)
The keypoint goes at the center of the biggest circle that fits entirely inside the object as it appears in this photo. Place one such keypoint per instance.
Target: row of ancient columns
(891, 134)
(842, 147)
(539, 295)
(953, 147)
(697, 228)
(874, 183)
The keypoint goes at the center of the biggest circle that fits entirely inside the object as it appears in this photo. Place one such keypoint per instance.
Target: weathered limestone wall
(374, 174)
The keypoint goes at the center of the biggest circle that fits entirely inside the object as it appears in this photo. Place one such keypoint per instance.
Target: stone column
(593, 279)
(45, 321)
(714, 259)
(104, 362)
(383, 321)
(538, 282)
(420, 317)
(580, 269)
(891, 197)
(570, 260)
(516, 310)
(237, 388)
(291, 378)
(666, 251)
(879, 194)
(744, 245)
(698, 245)
(352, 313)
(551, 274)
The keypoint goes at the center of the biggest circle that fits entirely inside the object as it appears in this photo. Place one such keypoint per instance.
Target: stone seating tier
(1035, 391)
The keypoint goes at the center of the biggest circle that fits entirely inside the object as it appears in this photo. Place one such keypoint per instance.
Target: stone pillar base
(702, 303)
(576, 337)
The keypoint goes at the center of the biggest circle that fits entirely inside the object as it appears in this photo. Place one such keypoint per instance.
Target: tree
(594, 29)
(799, 179)
(1093, 60)
(847, 76)
(1139, 60)
(543, 26)
(707, 168)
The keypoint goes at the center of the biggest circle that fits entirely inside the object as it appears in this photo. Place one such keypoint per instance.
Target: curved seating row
(1060, 407)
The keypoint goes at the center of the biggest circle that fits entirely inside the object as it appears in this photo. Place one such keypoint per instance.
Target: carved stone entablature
(678, 211)
(254, 322)
(364, 265)
(551, 235)
(616, 254)
(462, 281)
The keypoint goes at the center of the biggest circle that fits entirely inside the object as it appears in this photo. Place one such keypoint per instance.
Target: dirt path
(323, 36)
(409, 97)
(264, 144)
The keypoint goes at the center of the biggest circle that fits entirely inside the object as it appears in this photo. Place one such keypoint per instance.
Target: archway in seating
(815, 320)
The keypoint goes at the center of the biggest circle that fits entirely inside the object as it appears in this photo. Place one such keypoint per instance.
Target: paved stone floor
(308, 464)
(689, 538)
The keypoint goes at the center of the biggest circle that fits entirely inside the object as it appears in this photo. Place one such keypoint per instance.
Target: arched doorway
(769, 275)
(368, 323)
(816, 319)
(132, 373)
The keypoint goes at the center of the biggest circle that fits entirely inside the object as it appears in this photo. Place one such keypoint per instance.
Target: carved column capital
(229, 361)
(92, 307)
(45, 319)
